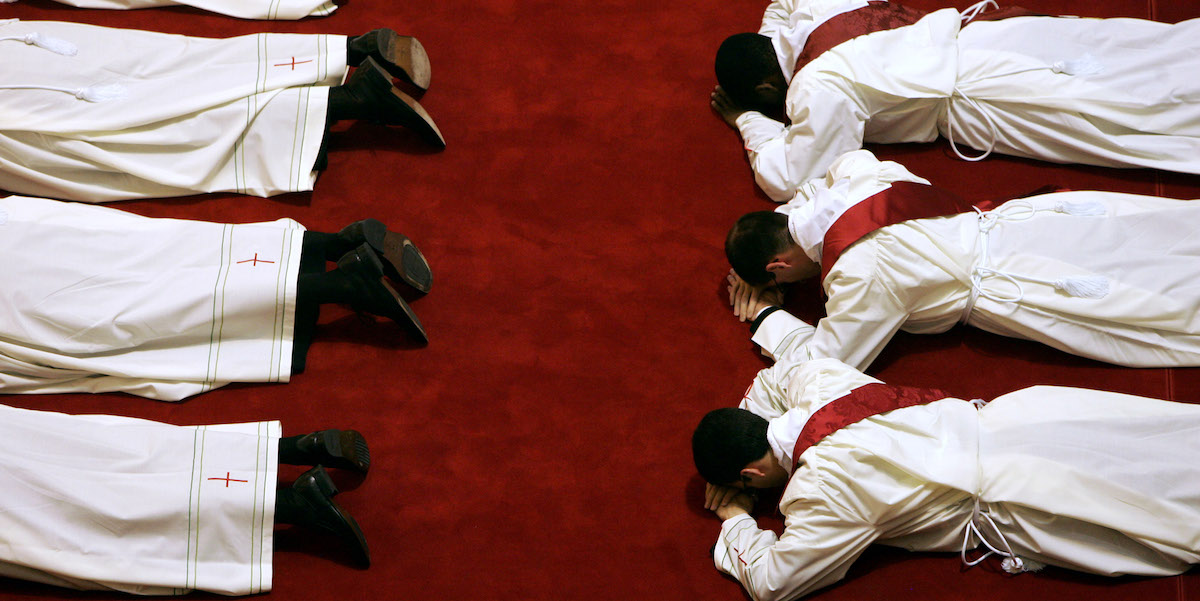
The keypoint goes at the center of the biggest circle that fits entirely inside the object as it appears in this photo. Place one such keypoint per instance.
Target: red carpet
(538, 447)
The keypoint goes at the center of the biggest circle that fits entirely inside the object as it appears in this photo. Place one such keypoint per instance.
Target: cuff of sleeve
(761, 317)
(735, 519)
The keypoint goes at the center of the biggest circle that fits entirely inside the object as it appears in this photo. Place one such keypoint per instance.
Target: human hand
(748, 300)
(725, 107)
(726, 501)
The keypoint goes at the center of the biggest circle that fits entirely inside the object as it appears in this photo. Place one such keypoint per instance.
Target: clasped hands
(727, 501)
(748, 300)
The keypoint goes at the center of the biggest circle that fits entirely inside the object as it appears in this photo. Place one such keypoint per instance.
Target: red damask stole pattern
(903, 201)
(876, 16)
(861, 403)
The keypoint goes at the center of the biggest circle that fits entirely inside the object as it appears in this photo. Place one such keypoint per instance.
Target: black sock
(329, 287)
(354, 56)
(314, 254)
(322, 162)
(324, 248)
(344, 106)
(290, 453)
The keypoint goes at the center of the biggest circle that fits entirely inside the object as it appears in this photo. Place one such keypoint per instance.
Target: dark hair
(745, 60)
(754, 241)
(726, 441)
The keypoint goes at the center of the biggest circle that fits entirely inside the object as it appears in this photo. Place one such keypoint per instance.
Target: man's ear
(779, 263)
(750, 472)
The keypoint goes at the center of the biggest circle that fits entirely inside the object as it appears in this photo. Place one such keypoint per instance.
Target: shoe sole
(402, 259)
(411, 114)
(369, 270)
(410, 320)
(349, 447)
(409, 57)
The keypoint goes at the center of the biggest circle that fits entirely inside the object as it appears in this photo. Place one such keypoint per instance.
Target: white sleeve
(764, 139)
(827, 124)
(767, 396)
(862, 316)
(782, 333)
(776, 17)
(819, 543)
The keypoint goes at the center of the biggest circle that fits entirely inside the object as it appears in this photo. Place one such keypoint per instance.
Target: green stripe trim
(297, 134)
(213, 336)
(187, 578)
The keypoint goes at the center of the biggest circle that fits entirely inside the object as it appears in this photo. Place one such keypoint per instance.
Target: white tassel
(101, 93)
(54, 45)
(1084, 65)
(979, 403)
(1084, 287)
(1086, 209)
(1016, 565)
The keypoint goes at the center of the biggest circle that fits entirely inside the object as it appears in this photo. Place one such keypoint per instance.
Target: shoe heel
(374, 232)
(332, 439)
(323, 482)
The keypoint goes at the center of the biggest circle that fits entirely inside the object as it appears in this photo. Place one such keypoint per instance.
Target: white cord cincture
(1088, 286)
(1011, 563)
(99, 93)
(969, 13)
(54, 45)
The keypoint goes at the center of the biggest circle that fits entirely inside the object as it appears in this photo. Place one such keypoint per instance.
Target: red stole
(861, 403)
(876, 16)
(903, 201)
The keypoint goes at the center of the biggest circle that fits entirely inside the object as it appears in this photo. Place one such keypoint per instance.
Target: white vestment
(1040, 461)
(1110, 92)
(93, 299)
(172, 115)
(245, 9)
(920, 275)
(104, 502)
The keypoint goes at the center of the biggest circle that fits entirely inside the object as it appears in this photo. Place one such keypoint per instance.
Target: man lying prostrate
(106, 502)
(1113, 277)
(1031, 477)
(93, 299)
(246, 9)
(96, 114)
(1110, 92)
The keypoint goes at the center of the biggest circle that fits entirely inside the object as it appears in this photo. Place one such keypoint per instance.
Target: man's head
(760, 250)
(748, 70)
(730, 448)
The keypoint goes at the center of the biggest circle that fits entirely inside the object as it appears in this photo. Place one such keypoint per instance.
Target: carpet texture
(538, 447)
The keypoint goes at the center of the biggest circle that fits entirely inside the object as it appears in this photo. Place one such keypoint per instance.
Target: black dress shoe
(340, 449)
(402, 260)
(402, 55)
(375, 295)
(315, 489)
(380, 101)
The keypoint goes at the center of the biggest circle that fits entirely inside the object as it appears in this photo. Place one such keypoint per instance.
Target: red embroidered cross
(293, 63)
(227, 479)
(255, 261)
(734, 548)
